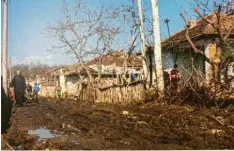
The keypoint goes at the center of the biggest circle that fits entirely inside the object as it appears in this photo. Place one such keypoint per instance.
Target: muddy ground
(85, 125)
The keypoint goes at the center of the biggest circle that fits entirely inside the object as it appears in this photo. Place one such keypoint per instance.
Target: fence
(126, 93)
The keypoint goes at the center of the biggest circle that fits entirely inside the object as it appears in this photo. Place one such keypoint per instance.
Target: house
(109, 67)
(116, 62)
(176, 49)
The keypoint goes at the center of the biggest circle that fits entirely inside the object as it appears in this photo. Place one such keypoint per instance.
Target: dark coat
(6, 108)
(19, 84)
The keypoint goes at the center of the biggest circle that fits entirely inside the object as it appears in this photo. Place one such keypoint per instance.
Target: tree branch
(228, 33)
(200, 15)
(195, 49)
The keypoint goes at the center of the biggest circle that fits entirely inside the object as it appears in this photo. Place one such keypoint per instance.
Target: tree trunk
(142, 36)
(157, 48)
(5, 48)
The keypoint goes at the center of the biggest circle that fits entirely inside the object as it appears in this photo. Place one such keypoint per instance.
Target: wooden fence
(126, 93)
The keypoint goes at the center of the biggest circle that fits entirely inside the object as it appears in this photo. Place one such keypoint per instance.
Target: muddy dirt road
(67, 124)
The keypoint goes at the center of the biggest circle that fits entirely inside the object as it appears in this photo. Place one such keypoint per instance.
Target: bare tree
(30, 71)
(142, 34)
(86, 33)
(207, 6)
(142, 38)
(157, 48)
(225, 48)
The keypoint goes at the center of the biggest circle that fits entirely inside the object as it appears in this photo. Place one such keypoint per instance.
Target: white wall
(167, 60)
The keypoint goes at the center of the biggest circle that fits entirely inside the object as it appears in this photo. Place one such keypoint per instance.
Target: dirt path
(83, 125)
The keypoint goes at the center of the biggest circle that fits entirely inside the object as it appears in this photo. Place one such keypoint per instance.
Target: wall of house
(167, 59)
(72, 88)
(185, 59)
(107, 69)
(190, 61)
(72, 83)
(47, 91)
(210, 52)
(62, 81)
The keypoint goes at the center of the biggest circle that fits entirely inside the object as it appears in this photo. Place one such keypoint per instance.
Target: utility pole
(4, 53)
(167, 20)
(142, 37)
(29, 70)
(157, 48)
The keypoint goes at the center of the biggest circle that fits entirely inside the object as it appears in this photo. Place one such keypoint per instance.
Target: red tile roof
(116, 58)
(201, 28)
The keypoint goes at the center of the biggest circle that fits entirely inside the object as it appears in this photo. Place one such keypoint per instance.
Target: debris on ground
(78, 125)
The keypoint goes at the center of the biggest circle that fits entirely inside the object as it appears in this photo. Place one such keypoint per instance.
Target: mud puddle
(78, 126)
(43, 133)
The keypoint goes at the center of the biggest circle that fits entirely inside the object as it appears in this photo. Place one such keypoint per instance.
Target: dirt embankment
(83, 125)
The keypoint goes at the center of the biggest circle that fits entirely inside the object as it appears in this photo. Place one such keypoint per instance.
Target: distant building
(116, 62)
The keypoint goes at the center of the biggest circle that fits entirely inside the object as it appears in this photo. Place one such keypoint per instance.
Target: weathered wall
(47, 91)
(62, 81)
(185, 58)
(210, 52)
(72, 88)
(107, 69)
(167, 59)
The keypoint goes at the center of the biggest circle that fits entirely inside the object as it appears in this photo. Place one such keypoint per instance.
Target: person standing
(36, 89)
(29, 90)
(175, 76)
(19, 85)
(58, 89)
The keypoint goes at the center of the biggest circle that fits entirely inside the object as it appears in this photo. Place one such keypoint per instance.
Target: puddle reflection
(43, 133)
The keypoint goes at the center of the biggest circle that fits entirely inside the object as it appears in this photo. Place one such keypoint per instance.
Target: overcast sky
(28, 19)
